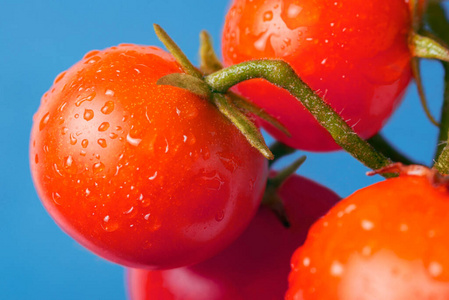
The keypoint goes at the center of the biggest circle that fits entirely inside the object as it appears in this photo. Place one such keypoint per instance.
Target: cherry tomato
(387, 241)
(352, 53)
(143, 175)
(256, 266)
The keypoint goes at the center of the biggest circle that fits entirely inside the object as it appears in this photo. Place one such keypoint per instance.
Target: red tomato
(256, 266)
(353, 53)
(144, 175)
(388, 241)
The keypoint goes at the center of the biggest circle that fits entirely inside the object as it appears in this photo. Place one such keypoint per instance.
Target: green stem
(384, 146)
(439, 25)
(281, 74)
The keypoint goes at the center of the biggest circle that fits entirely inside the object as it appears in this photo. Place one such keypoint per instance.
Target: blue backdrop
(40, 39)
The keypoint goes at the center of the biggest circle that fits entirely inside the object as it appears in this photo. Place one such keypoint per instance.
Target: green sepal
(187, 82)
(427, 47)
(209, 61)
(177, 53)
(245, 126)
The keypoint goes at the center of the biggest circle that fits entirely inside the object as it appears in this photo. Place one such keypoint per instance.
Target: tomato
(256, 266)
(352, 53)
(387, 241)
(143, 175)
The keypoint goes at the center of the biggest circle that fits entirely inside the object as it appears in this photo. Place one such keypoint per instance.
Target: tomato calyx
(234, 107)
(436, 178)
(271, 196)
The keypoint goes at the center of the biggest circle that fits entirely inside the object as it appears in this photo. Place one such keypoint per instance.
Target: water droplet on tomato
(108, 107)
(133, 141)
(109, 225)
(152, 177)
(219, 216)
(88, 98)
(44, 121)
(93, 60)
(104, 126)
(109, 93)
(268, 16)
(69, 165)
(98, 167)
(91, 53)
(102, 143)
(293, 10)
(59, 77)
(56, 198)
(88, 114)
(84, 143)
(36, 159)
(73, 139)
(56, 169)
(113, 135)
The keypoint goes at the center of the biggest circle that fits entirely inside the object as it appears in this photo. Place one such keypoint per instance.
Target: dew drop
(36, 159)
(133, 141)
(108, 107)
(59, 77)
(56, 198)
(90, 54)
(69, 165)
(109, 93)
(98, 167)
(219, 216)
(84, 143)
(147, 217)
(44, 121)
(108, 225)
(102, 143)
(104, 126)
(153, 176)
(113, 135)
(83, 153)
(73, 139)
(293, 11)
(64, 130)
(268, 16)
(88, 114)
(88, 98)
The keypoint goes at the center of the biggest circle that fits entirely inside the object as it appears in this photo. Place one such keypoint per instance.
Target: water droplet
(83, 153)
(219, 216)
(108, 107)
(64, 130)
(36, 159)
(108, 225)
(102, 143)
(77, 116)
(147, 217)
(73, 139)
(293, 10)
(84, 143)
(153, 176)
(59, 77)
(133, 141)
(109, 93)
(104, 126)
(268, 16)
(98, 167)
(91, 53)
(88, 98)
(69, 165)
(44, 121)
(129, 210)
(56, 198)
(93, 60)
(88, 114)
(113, 135)
(87, 191)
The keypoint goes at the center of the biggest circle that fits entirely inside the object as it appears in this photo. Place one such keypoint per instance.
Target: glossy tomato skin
(143, 175)
(387, 241)
(352, 53)
(255, 266)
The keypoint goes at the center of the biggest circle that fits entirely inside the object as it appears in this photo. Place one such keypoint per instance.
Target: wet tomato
(353, 53)
(143, 175)
(256, 266)
(387, 241)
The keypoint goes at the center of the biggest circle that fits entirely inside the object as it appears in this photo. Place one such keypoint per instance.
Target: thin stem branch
(281, 74)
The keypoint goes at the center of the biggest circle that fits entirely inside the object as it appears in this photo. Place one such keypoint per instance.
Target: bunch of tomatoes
(143, 159)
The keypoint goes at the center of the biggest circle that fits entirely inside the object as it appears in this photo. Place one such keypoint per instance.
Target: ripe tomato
(387, 241)
(353, 53)
(256, 266)
(144, 175)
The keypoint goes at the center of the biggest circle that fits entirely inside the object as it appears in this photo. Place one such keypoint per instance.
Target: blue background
(40, 39)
